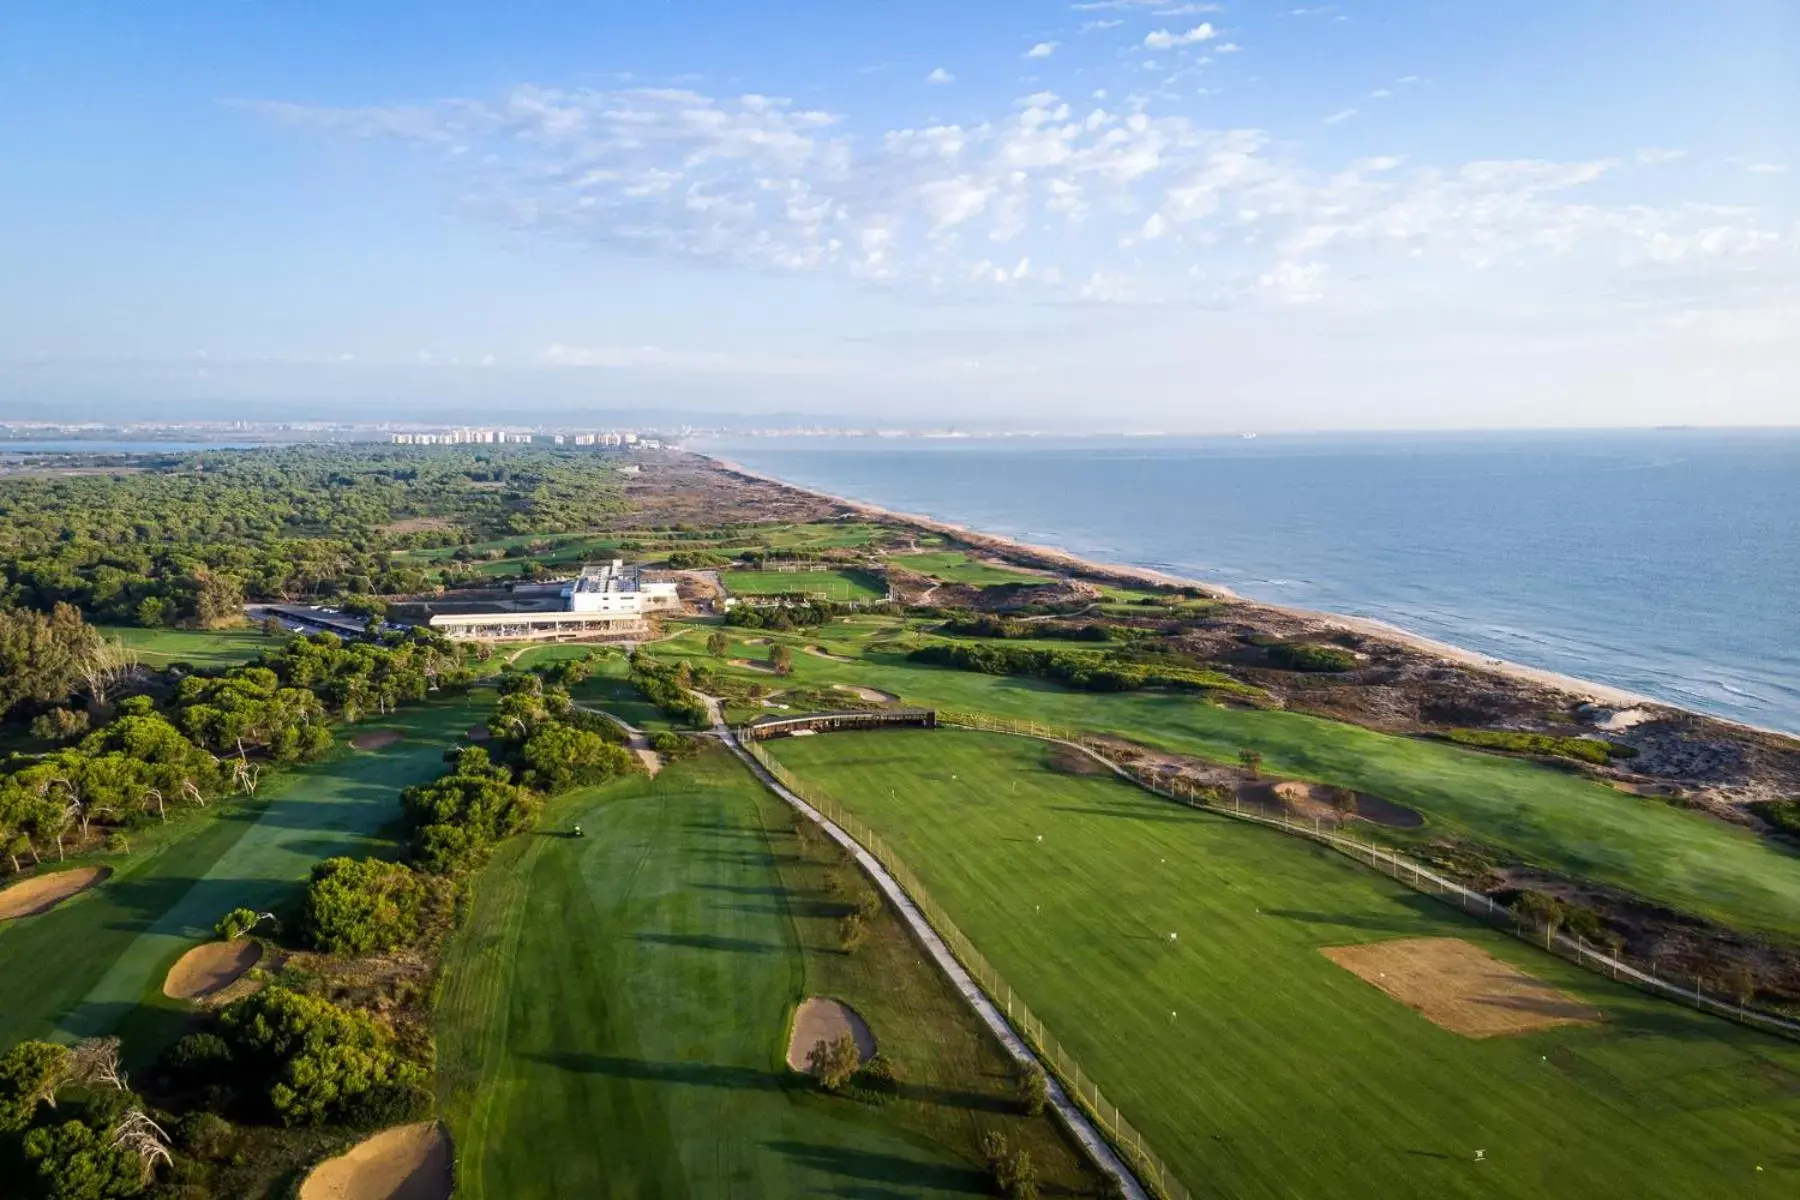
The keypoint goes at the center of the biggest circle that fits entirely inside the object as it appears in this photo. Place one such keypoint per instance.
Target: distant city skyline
(1100, 214)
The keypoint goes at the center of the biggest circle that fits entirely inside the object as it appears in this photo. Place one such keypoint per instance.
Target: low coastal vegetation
(1597, 751)
(1077, 669)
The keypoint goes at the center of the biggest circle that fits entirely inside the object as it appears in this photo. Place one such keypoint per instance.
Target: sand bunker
(1323, 801)
(822, 652)
(477, 733)
(753, 664)
(375, 739)
(408, 1162)
(208, 970)
(42, 893)
(822, 1019)
(1461, 987)
(875, 695)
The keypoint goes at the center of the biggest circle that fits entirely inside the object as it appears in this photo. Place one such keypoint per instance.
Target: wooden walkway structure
(833, 722)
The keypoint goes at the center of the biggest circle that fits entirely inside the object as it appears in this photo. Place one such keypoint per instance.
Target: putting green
(1254, 1064)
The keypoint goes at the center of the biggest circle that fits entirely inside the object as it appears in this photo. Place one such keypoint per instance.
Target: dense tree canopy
(188, 537)
(362, 906)
(314, 1062)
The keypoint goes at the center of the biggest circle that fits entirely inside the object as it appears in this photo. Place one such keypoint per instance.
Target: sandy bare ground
(408, 1162)
(1460, 986)
(822, 652)
(207, 970)
(822, 1019)
(42, 893)
(375, 739)
(477, 733)
(875, 695)
(639, 744)
(753, 664)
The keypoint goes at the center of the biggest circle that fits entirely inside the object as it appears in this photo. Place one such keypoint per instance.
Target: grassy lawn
(201, 647)
(1544, 816)
(955, 566)
(95, 964)
(614, 1014)
(834, 585)
(1255, 1066)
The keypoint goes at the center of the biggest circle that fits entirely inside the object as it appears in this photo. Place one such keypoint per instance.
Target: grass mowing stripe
(1257, 1067)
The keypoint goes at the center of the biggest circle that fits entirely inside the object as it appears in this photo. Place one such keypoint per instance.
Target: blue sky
(1114, 214)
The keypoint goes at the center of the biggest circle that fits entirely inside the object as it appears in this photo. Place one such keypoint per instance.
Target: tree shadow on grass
(1172, 817)
(694, 1074)
(872, 1167)
(707, 941)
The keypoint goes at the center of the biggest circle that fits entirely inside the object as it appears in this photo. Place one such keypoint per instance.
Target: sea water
(1666, 562)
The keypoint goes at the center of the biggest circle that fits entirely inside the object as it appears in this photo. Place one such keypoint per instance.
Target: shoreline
(1602, 694)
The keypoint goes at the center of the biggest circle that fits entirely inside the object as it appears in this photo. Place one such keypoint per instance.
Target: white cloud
(1042, 50)
(763, 183)
(1651, 155)
(1296, 282)
(1227, 48)
(1161, 8)
(1380, 94)
(1164, 39)
(1096, 26)
(939, 75)
(1766, 168)
(1341, 115)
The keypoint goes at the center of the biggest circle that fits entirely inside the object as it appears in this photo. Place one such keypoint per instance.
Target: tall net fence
(1607, 961)
(1150, 1170)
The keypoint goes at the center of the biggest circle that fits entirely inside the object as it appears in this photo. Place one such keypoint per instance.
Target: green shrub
(29, 1074)
(1589, 750)
(236, 923)
(1307, 656)
(1782, 814)
(834, 1063)
(362, 906)
(1033, 1089)
(315, 1063)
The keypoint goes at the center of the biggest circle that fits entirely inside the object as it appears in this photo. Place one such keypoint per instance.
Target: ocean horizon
(1664, 562)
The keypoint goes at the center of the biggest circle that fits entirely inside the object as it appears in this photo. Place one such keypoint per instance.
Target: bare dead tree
(141, 1136)
(245, 775)
(107, 663)
(95, 1061)
(156, 794)
(192, 792)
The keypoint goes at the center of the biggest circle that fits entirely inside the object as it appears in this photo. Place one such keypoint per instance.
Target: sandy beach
(1584, 689)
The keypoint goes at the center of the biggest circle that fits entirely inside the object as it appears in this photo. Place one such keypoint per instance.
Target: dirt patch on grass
(375, 739)
(822, 652)
(822, 1019)
(1461, 987)
(408, 1162)
(420, 525)
(1070, 761)
(42, 893)
(756, 641)
(477, 733)
(205, 971)
(753, 664)
(873, 695)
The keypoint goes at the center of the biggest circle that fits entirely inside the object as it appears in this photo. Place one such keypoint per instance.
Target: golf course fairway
(614, 1014)
(1177, 955)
